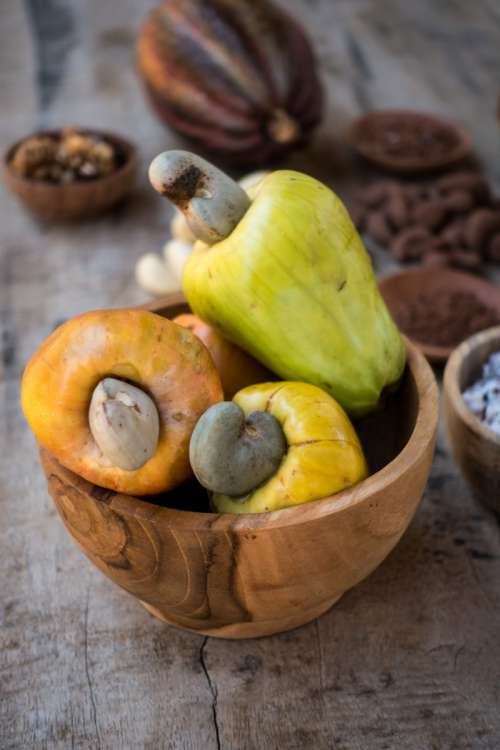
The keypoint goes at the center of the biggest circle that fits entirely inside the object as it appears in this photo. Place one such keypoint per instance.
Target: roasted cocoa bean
(397, 209)
(430, 214)
(464, 258)
(378, 228)
(480, 226)
(493, 248)
(412, 243)
(435, 259)
(472, 182)
(453, 233)
(375, 194)
(459, 201)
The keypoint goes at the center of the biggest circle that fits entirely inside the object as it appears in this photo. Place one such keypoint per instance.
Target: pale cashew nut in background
(157, 275)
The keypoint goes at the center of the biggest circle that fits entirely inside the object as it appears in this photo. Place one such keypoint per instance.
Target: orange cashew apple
(115, 395)
(236, 368)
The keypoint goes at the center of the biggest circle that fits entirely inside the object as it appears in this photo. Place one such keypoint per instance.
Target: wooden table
(411, 657)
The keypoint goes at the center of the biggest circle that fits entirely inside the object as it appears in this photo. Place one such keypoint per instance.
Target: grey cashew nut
(232, 454)
(212, 202)
(124, 423)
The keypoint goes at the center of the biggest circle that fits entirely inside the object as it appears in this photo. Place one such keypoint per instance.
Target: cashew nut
(124, 423)
(233, 454)
(176, 254)
(153, 275)
(180, 230)
(212, 202)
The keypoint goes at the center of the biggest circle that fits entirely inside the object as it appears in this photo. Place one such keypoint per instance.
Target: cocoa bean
(453, 233)
(396, 208)
(357, 212)
(458, 201)
(472, 182)
(480, 226)
(493, 249)
(378, 228)
(438, 260)
(430, 214)
(411, 244)
(464, 258)
(375, 194)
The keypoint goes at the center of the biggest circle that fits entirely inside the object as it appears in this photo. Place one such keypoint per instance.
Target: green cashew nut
(232, 454)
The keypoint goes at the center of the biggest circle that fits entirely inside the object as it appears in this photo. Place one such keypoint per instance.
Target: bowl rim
(451, 382)
(424, 431)
(437, 354)
(130, 161)
(462, 148)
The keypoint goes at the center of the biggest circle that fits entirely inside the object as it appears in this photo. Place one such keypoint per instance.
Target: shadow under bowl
(244, 576)
(475, 447)
(81, 199)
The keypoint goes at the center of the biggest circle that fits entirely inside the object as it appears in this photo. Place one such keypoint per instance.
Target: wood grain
(409, 659)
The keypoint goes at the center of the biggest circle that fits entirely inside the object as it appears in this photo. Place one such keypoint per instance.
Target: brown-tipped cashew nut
(124, 422)
(232, 454)
(212, 202)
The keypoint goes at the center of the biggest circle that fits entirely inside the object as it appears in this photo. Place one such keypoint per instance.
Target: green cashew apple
(291, 282)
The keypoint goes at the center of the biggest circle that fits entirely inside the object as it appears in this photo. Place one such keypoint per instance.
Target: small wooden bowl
(362, 136)
(476, 448)
(243, 576)
(403, 289)
(79, 199)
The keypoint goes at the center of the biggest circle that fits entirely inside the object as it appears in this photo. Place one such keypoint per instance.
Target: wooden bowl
(475, 448)
(243, 576)
(79, 199)
(366, 132)
(403, 289)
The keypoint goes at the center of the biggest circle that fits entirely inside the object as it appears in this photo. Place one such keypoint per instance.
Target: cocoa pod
(412, 243)
(236, 78)
(459, 201)
(430, 214)
(480, 226)
(396, 207)
(378, 228)
(472, 182)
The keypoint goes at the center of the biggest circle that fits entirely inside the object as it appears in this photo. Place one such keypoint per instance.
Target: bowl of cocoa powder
(408, 142)
(438, 308)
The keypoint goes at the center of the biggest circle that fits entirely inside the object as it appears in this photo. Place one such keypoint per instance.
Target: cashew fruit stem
(124, 423)
(233, 454)
(211, 201)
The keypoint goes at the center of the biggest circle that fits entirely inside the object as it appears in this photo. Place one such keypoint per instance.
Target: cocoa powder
(444, 318)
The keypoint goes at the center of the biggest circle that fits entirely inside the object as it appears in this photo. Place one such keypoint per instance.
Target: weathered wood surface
(409, 659)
